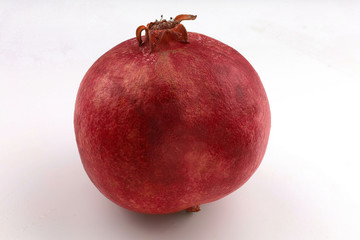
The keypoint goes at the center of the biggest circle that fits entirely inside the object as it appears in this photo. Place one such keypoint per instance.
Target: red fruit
(179, 121)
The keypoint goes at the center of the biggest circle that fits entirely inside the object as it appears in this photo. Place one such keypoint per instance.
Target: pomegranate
(170, 120)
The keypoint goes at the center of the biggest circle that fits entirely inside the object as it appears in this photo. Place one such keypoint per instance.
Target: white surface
(307, 55)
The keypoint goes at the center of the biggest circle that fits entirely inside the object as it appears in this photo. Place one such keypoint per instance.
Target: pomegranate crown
(163, 31)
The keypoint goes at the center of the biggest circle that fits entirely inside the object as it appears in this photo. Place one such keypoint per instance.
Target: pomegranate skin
(181, 126)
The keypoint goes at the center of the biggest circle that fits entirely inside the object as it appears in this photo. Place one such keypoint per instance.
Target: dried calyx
(163, 31)
(162, 24)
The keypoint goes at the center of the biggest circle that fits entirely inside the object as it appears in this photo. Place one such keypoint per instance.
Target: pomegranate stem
(195, 208)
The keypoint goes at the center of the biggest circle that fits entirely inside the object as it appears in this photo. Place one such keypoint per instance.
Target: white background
(308, 56)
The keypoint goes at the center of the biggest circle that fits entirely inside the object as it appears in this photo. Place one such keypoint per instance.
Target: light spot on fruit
(198, 162)
(133, 134)
(99, 90)
(135, 79)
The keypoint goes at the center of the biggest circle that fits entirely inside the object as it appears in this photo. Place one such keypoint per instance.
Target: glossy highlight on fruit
(170, 120)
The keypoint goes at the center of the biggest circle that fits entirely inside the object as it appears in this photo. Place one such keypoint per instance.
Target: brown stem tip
(195, 208)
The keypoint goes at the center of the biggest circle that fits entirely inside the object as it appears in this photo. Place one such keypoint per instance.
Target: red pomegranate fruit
(170, 120)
